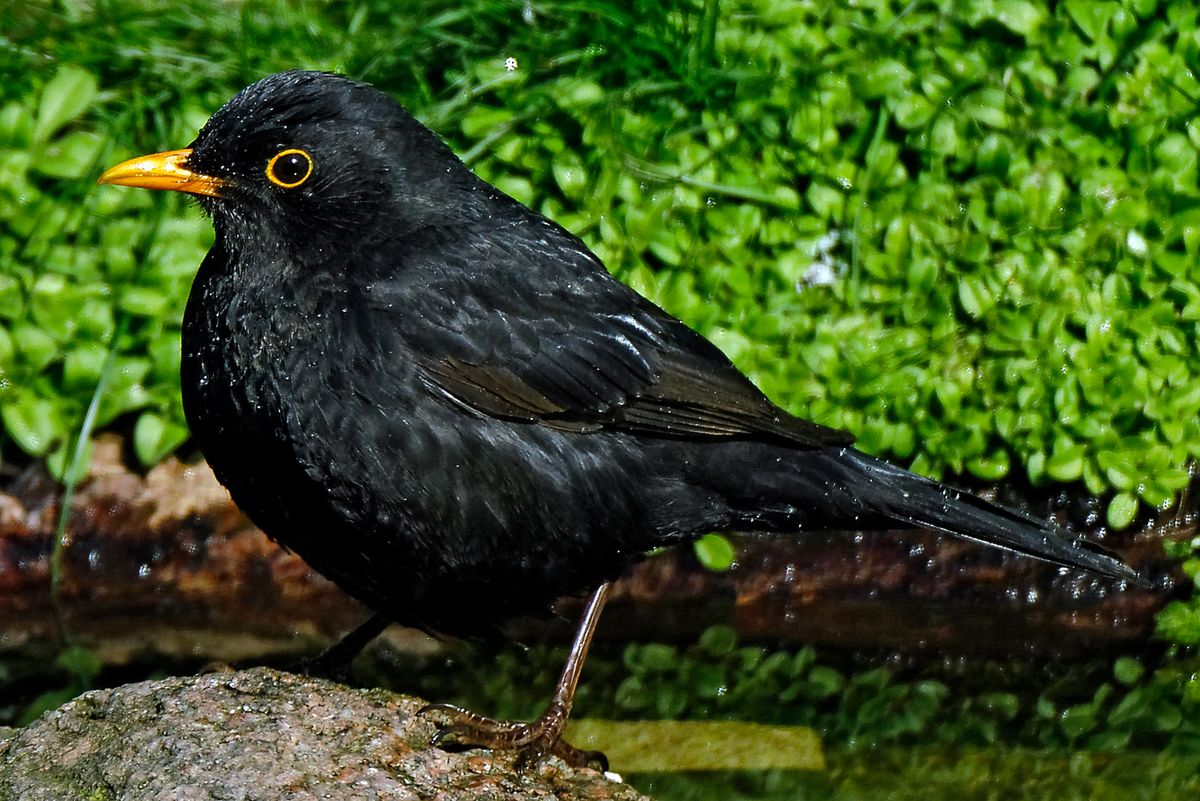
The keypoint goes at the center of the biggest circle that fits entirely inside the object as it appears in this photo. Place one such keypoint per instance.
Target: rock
(261, 734)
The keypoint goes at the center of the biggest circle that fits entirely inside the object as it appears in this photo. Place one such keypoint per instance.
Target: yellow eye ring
(289, 168)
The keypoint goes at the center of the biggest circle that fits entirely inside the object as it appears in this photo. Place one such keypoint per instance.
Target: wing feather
(645, 377)
(523, 323)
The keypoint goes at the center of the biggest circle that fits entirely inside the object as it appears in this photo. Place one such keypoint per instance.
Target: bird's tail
(899, 495)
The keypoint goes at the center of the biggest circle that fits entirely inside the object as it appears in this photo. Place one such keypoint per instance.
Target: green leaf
(1109, 741)
(991, 467)
(975, 296)
(804, 659)
(658, 658)
(994, 154)
(1006, 705)
(576, 92)
(70, 156)
(887, 78)
(142, 301)
(1127, 670)
(82, 366)
(1077, 720)
(824, 682)
(79, 661)
(631, 694)
(912, 111)
(1066, 463)
(825, 200)
(65, 96)
(1089, 15)
(16, 126)
(66, 464)
(12, 299)
(714, 552)
(1168, 717)
(718, 640)
(1019, 16)
(32, 422)
(1179, 622)
(708, 681)
(944, 136)
(482, 120)
(154, 437)
(571, 176)
(669, 701)
(1121, 510)
(8, 351)
(518, 187)
(988, 107)
(35, 348)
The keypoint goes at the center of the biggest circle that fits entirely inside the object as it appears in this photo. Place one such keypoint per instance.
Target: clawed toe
(579, 757)
(539, 738)
(473, 730)
(534, 741)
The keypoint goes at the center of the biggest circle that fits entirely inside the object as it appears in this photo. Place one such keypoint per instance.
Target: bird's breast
(257, 360)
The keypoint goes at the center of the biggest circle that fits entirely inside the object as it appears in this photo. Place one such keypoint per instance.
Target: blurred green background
(966, 232)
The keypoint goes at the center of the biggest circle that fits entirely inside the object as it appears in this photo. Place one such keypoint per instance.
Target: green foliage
(946, 773)
(1179, 620)
(1004, 220)
(857, 708)
(81, 666)
(70, 263)
(967, 236)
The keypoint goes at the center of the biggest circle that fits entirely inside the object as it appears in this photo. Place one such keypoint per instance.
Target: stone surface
(261, 735)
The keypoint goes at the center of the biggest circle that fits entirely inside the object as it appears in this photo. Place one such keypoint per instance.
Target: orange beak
(162, 171)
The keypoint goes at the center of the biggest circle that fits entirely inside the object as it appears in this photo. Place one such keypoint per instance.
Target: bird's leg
(544, 735)
(334, 661)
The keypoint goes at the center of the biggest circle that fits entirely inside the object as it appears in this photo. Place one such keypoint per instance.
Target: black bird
(443, 401)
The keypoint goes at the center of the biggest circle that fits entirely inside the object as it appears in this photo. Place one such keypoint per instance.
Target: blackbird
(443, 401)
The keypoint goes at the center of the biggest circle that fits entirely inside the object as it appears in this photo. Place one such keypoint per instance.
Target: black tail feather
(909, 498)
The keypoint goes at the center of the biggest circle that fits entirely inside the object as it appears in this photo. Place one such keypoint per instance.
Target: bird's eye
(289, 168)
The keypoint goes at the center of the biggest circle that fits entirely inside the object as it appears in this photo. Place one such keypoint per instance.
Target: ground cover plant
(1091, 730)
(970, 238)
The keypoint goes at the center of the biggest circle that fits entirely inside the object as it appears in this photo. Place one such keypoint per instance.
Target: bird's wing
(561, 362)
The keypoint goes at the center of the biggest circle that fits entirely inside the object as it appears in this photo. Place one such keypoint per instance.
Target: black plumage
(442, 400)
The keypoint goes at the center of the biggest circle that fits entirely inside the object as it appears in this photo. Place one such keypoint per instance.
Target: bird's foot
(534, 740)
(540, 738)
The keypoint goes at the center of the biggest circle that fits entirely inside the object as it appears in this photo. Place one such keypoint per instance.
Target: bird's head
(308, 161)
